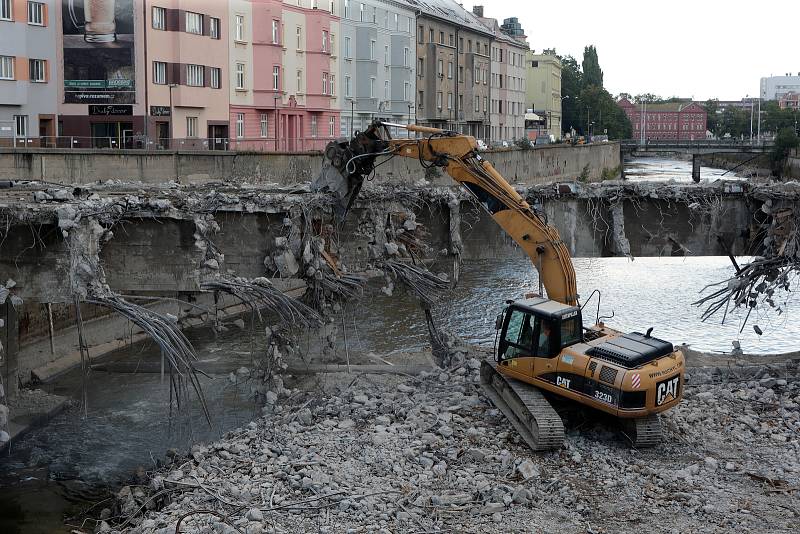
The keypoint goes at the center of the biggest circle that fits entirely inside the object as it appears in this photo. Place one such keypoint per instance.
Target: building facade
(676, 121)
(453, 68)
(28, 78)
(283, 75)
(543, 94)
(508, 78)
(187, 73)
(790, 100)
(774, 87)
(377, 61)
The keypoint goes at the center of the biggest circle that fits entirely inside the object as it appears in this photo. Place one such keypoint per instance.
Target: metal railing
(260, 144)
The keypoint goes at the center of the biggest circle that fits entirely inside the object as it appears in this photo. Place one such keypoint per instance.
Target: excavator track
(643, 432)
(525, 407)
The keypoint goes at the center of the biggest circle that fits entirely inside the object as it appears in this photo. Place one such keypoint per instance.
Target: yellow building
(543, 93)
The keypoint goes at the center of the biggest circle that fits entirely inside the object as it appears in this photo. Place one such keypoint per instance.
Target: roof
(448, 11)
(499, 34)
(545, 306)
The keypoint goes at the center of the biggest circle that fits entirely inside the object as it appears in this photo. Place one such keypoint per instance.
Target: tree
(604, 114)
(592, 74)
(650, 98)
(712, 107)
(734, 122)
(785, 142)
(571, 83)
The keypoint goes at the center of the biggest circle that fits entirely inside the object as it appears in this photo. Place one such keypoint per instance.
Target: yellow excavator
(543, 351)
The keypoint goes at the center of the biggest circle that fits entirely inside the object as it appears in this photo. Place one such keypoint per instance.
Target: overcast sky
(700, 48)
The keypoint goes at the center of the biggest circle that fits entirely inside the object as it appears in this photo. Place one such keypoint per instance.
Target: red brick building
(790, 100)
(679, 121)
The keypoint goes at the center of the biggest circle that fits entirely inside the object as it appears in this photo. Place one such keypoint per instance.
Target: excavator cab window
(517, 336)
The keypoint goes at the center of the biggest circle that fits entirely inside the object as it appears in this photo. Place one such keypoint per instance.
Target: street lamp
(171, 114)
(275, 98)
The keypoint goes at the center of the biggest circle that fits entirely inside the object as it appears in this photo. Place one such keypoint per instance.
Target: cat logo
(667, 390)
(563, 382)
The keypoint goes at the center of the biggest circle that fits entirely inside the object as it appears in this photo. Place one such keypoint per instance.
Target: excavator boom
(350, 162)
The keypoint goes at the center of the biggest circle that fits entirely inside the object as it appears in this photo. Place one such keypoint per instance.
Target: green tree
(734, 122)
(592, 73)
(775, 119)
(712, 107)
(650, 98)
(571, 84)
(785, 142)
(602, 114)
(624, 95)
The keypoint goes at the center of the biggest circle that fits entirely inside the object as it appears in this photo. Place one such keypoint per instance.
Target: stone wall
(542, 164)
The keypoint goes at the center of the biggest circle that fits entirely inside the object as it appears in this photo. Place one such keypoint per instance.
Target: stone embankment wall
(534, 166)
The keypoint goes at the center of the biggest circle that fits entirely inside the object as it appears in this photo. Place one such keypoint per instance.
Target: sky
(701, 49)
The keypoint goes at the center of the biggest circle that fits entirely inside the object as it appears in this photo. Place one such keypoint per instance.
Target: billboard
(99, 62)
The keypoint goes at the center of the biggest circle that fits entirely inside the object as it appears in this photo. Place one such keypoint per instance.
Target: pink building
(187, 73)
(283, 76)
(679, 120)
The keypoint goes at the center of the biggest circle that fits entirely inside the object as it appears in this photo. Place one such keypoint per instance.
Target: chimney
(477, 11)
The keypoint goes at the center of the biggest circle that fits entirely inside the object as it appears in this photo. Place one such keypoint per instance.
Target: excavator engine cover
(631, 350)
(346, 165)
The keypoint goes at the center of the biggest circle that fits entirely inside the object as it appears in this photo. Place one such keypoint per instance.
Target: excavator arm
(350, 162)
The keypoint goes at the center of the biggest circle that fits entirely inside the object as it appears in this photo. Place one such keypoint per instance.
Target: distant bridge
(635, 147)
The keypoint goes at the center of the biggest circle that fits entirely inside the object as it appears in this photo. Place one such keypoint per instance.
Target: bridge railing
(699, 143)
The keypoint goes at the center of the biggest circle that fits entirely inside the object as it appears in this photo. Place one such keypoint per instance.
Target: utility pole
(759, 119)
(751, 119)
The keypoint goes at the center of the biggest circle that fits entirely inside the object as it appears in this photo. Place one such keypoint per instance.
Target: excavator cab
(537, 327)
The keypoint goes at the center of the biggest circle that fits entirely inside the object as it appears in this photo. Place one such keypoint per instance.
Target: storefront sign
(110, 110)
(160, 111)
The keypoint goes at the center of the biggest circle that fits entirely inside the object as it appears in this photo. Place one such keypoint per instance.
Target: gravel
(388, 453)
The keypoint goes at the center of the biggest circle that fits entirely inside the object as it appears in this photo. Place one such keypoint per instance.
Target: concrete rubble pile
(394, 453)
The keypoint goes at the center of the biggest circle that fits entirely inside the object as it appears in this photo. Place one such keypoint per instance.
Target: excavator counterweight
(543, 348)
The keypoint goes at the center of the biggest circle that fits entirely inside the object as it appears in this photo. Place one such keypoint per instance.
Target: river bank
(428, 453)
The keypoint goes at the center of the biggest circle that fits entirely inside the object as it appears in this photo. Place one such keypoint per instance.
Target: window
(20, 125)
(460, 45)
(396, 22)
(485, 104)
(240, 125)
(420, 98)
(451, 40)
(450, 70)
(430, 35)
(346, 8)
(324, 83)
(159, 72)
(408, 24)
(194, 75)
(275, 32)
(264, 125)
(191, 126)
(159, 18)
(299, 37)
(460, 73)
(331, 126)
(276, 77)
(477, 74)
(406, 91)
(386, 90)
(36, 13)
(324, 41)
(333, 44)
(299, 81)
(216, 77)
(441, 37)
(372, 87)
(420, 34)
(439, 100)
(535, 64)
(37, 70)
(347, 48)
(386, 55)
(213, 29)
(477, 104)
(6, 68)
(449, 100)
(372, 49)
(313, 125)
(240, 76)
(347, 85)
(440, 68)
(421, 67)
(374, 14)
(333, 85)
(362, 12)
(194, 23)
(239, 28)
(405, 57)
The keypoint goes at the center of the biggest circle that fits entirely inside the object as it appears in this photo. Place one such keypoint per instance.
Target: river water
(55, 470)
(652, 169)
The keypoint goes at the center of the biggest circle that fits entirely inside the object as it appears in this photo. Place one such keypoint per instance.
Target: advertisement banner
(98, 52)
